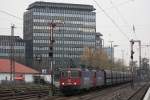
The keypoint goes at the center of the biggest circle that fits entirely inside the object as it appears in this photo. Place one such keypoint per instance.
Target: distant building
(99, 42)
(19, 47)
(75, 29)
(110, 52)
(22, 73)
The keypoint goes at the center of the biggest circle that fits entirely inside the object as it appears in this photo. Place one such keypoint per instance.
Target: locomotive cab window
(71, 73)
(75, 73)
(64, 74)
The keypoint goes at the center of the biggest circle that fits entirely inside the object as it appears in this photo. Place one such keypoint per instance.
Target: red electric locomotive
(70, 79)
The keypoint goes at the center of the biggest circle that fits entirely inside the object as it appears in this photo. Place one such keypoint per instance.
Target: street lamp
(112, 46)
(113, 53)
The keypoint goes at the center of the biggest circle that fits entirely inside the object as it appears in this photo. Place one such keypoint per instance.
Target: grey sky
(124, 12)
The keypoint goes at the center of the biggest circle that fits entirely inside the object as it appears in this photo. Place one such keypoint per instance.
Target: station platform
(147, 95)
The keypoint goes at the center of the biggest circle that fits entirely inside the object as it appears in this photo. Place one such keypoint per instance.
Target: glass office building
(75, 30)
(6, 48)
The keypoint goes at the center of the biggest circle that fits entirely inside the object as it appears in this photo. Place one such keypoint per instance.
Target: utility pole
(139, 53)
(111, 47)
(122, 56)
(102, 44)
(12, 55)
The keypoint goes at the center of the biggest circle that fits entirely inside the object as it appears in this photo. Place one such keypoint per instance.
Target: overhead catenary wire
(9, 28)
(111, 19)
(123, 19)
(7, 13)
(120, 14)
(122, 3)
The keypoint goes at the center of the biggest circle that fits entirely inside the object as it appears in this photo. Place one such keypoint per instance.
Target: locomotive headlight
(75, 83)
(63, 83)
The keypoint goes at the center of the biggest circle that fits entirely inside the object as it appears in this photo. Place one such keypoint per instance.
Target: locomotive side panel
(114, 79)
(108, 77)
(85, 79)
(100, 78)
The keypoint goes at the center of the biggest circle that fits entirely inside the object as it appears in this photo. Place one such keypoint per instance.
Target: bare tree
(96, 59)
(99, 59)
(87, 57)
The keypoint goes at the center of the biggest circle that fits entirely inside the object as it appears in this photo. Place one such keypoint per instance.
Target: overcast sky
(124, 14)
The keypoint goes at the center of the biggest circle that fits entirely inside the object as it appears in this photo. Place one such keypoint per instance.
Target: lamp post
(112, 53)
(111, 47)
(114, 47)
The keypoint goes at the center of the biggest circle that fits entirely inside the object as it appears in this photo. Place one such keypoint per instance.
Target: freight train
(77, 79)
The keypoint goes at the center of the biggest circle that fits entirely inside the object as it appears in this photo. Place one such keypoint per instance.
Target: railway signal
(132, 53)
(52, 25)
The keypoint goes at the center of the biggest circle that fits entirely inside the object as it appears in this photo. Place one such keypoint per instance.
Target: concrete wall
(6, 76)
(28, 78)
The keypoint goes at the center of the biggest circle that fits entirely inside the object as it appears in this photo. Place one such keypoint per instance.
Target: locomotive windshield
(71, 73)
(74, 73)
(64, 73)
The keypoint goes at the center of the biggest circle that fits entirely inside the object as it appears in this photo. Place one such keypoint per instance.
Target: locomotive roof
(85, 69)
(71, 69)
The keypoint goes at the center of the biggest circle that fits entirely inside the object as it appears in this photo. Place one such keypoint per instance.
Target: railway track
(92, 95)
(122, 92)
(22, 93)
(140, 93)
(101, 93)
